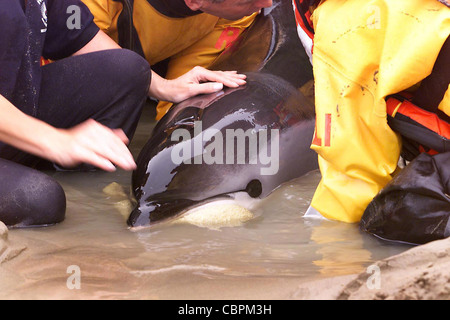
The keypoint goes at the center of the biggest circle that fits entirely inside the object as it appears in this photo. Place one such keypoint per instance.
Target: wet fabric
(421, 130)
(29, 198)
(364, 52)
(415, 206)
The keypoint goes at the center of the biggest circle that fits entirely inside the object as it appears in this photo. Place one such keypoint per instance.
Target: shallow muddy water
(265, 257)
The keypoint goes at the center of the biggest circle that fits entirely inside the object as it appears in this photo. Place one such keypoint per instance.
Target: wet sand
(418, 273)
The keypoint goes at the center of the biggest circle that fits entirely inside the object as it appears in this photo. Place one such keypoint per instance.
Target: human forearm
(89, 142)
(22, 131)
(158, 86)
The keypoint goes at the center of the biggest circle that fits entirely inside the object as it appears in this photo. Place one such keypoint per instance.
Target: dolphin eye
(254, 188)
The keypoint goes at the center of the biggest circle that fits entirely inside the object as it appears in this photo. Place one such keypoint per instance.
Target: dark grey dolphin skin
(277, 67)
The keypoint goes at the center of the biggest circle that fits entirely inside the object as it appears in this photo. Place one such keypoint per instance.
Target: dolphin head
(252, 138)
(249, 139)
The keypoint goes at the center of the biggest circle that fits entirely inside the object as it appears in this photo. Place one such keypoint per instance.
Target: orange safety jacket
(425, 129)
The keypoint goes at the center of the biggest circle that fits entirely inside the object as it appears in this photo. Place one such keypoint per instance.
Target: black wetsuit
(108, 86)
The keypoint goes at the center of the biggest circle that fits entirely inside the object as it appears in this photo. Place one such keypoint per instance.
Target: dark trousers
(108, 86)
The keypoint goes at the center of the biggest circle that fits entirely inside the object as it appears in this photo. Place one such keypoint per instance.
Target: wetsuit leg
(29, 198)
(108, 86)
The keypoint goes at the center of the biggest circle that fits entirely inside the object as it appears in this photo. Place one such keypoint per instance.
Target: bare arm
(88, 142)
(22, 131)
(101, 41)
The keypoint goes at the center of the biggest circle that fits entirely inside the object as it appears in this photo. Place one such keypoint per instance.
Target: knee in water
(37, 200)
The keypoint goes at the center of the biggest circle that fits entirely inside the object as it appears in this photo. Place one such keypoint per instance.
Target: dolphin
(252, 138)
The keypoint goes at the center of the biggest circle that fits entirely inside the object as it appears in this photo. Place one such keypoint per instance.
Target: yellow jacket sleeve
(363, 52)
(106, 14)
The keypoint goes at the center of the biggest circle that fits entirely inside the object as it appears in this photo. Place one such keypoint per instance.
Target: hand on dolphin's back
(197, 81)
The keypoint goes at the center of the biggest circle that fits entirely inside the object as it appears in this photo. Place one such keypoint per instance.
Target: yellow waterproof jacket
(363, 52)
(167, 29)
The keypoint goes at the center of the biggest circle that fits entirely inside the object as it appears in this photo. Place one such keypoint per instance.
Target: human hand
(197, 81)
(93, 143)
